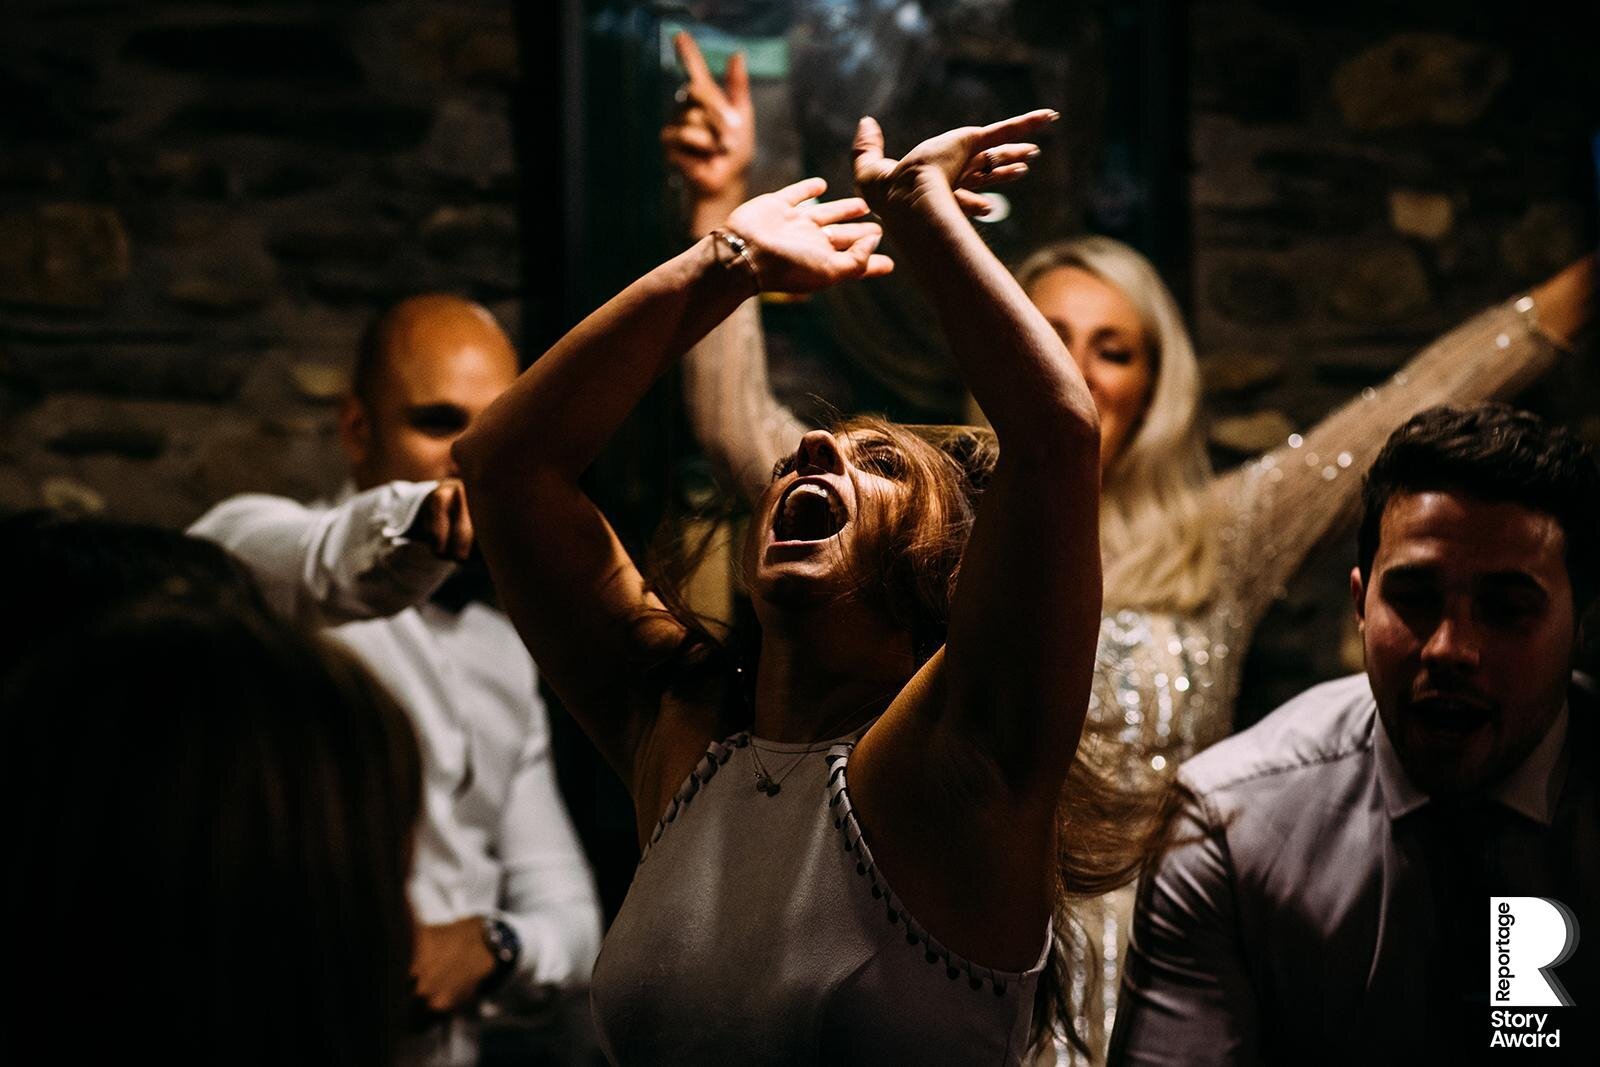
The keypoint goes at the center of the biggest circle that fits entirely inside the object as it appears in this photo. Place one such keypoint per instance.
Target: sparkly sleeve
(737, 420)
(1275, 509)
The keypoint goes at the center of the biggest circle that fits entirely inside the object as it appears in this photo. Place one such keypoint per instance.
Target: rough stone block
(31, 170)
(71, 496)
(1251, 434)
(1413, 79)
(226, 272)
(1255, 78)
(1238, 372)
(367, 126)
(1253, 292)
(63, 256)
(1421, 214)
(319, 381)
(350, 287)
(267, 458)
(1546, 238)
(470, 48)
(118, 367)
(171, 172)
(300, 52)
(17, 491)
(333, 240)
(470, 143)
(131, 442)
(288, 179)
(214, 294)
(451, 232)
(1382, 285)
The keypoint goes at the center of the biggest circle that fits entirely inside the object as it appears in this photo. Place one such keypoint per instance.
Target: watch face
(502, 940)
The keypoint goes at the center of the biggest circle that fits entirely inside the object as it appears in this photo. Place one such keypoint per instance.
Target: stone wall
(1362, 180)
(200, 206)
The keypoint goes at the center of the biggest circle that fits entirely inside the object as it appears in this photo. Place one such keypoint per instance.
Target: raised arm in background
(578, 601)
(960, 779)
(1283, 504)
(737, 420)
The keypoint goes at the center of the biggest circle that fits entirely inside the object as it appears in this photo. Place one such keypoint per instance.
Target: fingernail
(1054, 115)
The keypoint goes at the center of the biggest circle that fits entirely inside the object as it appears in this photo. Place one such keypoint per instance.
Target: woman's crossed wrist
(734, 253)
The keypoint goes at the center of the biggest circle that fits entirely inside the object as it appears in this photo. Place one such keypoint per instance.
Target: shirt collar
(1530, 790)
(1534, 787)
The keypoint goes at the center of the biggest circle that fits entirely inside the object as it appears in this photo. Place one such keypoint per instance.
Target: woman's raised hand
(712, 137)
(799, 247)
(968, 159)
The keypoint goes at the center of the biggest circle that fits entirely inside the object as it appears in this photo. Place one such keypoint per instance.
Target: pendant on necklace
(766, 785)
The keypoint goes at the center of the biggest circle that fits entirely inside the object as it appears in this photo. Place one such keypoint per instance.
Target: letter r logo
(1528, 937)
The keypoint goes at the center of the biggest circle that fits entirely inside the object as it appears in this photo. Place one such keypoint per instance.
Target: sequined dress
(1167, 682)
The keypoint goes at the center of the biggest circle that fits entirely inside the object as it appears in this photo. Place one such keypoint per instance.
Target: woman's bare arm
(1026, 608)
(578, 601)
(960, 779)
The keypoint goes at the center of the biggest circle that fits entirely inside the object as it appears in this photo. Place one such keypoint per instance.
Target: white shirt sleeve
(325, 566)
(547, 893)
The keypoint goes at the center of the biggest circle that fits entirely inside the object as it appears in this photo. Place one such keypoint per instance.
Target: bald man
(504, 901)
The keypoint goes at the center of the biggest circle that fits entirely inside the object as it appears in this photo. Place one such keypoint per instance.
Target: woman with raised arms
(1192, 560)
(860, 859)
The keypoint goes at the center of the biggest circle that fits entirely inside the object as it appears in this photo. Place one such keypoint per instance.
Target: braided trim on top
(933, 951)
(717, 753)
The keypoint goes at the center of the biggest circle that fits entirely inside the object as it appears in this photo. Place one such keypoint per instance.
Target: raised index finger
(868, 145)
(803, 190)
(694, 64)
(1016, 128)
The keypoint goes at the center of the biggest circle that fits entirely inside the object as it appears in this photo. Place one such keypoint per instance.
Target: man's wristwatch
(506, 948)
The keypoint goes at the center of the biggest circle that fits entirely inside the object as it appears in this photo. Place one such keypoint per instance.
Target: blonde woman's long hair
(1155, 540)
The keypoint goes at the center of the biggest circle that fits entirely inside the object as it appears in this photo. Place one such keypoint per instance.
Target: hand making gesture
(712, 137)
(969, 160)
(794, 246)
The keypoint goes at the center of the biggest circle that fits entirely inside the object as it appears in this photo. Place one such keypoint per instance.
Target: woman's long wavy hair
(1106, 828)
(1155, 541)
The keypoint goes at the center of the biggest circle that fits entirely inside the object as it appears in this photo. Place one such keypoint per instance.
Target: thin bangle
(1527, 308)
(740, 249)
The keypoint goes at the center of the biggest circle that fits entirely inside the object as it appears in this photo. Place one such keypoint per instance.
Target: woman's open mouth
(809, 511)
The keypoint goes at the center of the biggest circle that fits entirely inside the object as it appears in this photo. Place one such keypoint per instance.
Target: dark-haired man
(1327, 895)
(503, 896)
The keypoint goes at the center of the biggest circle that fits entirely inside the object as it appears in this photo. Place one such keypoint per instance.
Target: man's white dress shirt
(494, 838)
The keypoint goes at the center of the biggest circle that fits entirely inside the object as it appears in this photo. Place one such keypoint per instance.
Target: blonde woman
(1191, 560)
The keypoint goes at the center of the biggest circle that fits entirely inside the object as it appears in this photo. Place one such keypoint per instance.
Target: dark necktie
(1458, 843)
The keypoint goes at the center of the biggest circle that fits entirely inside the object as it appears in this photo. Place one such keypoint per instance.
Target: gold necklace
(769, 784)
(765, 781)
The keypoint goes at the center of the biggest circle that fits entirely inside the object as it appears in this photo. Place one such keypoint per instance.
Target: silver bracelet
(1525, 307)
(741, 252)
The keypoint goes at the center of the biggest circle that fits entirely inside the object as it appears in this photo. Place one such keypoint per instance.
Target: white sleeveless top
(758, 931)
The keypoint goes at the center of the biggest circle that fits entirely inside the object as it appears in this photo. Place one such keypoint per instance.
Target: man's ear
(355, 430)
(1358, 593)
